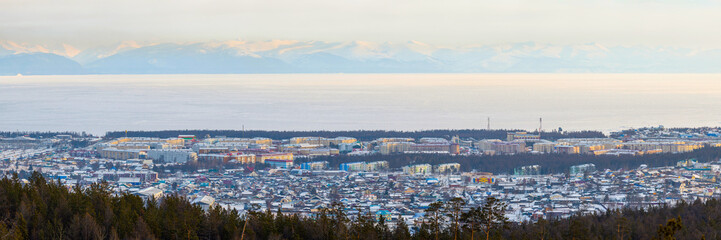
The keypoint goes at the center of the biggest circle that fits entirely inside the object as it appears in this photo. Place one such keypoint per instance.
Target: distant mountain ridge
(349, 57)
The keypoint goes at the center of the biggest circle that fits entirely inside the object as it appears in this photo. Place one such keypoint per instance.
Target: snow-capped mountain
(22, 58)
(280, 56)
(96, 53)
(10, 47)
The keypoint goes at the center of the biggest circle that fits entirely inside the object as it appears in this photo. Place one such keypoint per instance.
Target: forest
(498, 164)
(550, 163)
(38, 134)
(38, 209)
(362, 135)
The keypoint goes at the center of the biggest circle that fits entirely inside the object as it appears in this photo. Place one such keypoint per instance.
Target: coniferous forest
(550, 163)
(38, 209)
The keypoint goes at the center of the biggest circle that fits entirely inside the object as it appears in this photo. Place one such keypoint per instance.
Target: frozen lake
(606, 102)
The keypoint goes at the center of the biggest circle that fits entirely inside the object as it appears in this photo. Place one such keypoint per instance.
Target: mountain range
(280, 56)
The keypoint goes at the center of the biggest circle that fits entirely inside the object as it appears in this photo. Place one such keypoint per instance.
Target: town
(264, 174)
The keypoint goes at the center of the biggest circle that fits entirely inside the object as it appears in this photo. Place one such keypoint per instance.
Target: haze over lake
(606, 102)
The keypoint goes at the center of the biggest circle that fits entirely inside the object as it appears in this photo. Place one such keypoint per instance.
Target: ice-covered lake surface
(606, 102)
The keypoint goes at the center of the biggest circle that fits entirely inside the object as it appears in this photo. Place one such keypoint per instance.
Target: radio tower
(540, 125)
(489, 124)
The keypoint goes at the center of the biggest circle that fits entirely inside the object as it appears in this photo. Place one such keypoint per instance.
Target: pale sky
(86, 23)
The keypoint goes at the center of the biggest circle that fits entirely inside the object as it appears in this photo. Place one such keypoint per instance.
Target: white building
(172, 155)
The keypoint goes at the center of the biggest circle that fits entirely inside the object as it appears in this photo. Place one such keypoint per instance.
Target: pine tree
(453, 211)
(668, 231)
(435, 217)
(492, 216)
(401, 231)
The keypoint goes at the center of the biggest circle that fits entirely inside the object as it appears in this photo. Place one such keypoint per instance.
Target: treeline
(550, 163)
(696, 220)
(363, 135)
(37, 134)
(48, 210)
(453, 219)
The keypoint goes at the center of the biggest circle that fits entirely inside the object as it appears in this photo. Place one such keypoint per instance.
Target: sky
(89, 23)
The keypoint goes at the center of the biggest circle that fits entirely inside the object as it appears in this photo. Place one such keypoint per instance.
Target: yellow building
(395, 147)
(174, 141)
(322, 141)
(417, 169)
(119, 140)
(589, 148)
(244, 158)
(665, 146)
(377, 165)
(448, 168)
(277, 156)
(120, 154)
(486, 144)
(385, 140)
(568, 149)
(257, 140)
(143, 143)
(544, 147)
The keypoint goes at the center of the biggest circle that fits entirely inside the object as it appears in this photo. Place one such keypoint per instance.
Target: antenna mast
(540, 124)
